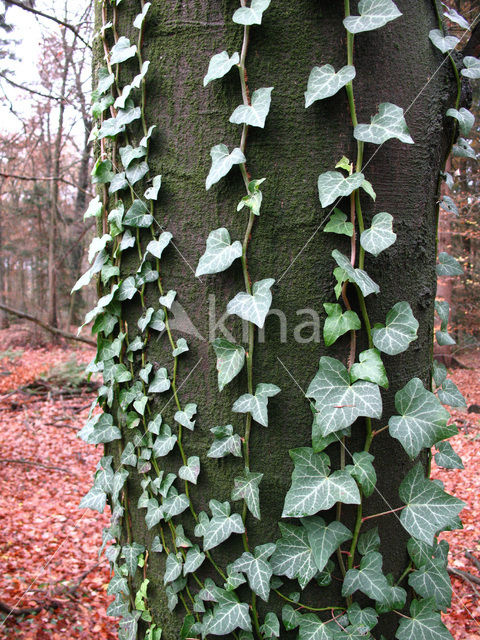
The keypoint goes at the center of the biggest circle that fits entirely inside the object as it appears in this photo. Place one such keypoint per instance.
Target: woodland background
(51, 579)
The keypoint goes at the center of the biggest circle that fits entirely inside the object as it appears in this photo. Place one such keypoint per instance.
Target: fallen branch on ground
(34, 463)
(473, 559)
(466, 577)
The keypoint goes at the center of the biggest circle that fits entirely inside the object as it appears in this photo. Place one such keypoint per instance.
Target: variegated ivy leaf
(255, 113)
(152, 192)
(313, 488)
(439, 373)
(234, 579)
(229, 614)
(463, 149)
(293, 556)
(444, 43)
(174, 505)
(449, 394)
(95, 499)
(193, 560)
(399, 331)
(122, 50)
(271, 626)
(160, 382)
(254, 200)
(185, 417)
(422, 421)
(168, 298)
(139, 19)
(323, 82)
(257, 569)
(324, 539)
(380, 235)
(246, 487)
(338, 402)
(465, 119)
(219, 254)
(338, 323)
(338, 224)
(221, 526)
(312, 628)
(131, 552)
(251, 15)
(181, 347)
(333, 185)
(222, 162)
(443, 311)
(138, 216)
(173, 567)
(370, 367)
(230, 360)
(357, 276)
(154, 513)
(157, 247)
(472, 68)
(128, 456)
(253, 308)
(225, 442)
(428, 508)
(424, 623)
(219, 65)
(369, 579)
(363, 471)
(388, 123)
(181, 539)
(447, 457)
(431, 580)
(373, 15)
(100, 430)
(448, 266)
(190, 471)
(257, 404)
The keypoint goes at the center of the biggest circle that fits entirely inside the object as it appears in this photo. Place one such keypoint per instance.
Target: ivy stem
(377, 431)
(306, 606)
(405, 573)
(383, 513)
(339, 506)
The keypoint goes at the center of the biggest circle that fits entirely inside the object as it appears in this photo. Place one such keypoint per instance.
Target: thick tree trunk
(394, 64)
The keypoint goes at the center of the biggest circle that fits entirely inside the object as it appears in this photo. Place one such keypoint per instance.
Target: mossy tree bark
(394, 64)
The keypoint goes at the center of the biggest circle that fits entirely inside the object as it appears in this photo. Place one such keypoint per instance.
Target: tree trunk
(397, 64)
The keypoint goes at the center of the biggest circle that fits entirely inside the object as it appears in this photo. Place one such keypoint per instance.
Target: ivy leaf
(447, 457)
(160, 382)
(338, 224)
(128, 154)
(338, 402)
(254, 200)
(463, 150)
(399, 331)
(95, 499)
(185, 417)
(333, 185)
(338, 323)
(293, 556)
(257, 569)
(465, 119)
(122, 50)
(246, 488)
(369, 579)
(454, 16)
(323, 82)
(362, 617)
(256, 113)
(102, 172)
(450, 395)
(448, 266)
(105, 80)
(256, 404)
(219, 254)
(139, 19)
(472, 68)
(138, 216)
(181, 347)
(173, 567)
(225, 442)
(428, 508)
(312, 628)
(251, 15)
(253, 308)
(424, 623)
(174, 505)
(431, 580)
(168, 298)
(388, 123)
(228, 615)
(164, 443)
(447, 204)
(222, 525)
(222, 162)
(313, 489)
(373, 15)
(219, 65)
(193, 560)
(439, 373)
(190, 471)
(357, 276)
(152, 192)
(444, 43)
(154, 513)
(422, 421)
(324, 539)
(363, 471)
(131, 552)
(271, 626)
(380, 235)
(370, 368)
(230, 360)
(369, 541)
(100, 430)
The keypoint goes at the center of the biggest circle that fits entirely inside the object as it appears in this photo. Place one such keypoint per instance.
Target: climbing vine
(127, 258)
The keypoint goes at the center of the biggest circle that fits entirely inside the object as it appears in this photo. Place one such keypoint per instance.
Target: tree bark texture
(397, 64)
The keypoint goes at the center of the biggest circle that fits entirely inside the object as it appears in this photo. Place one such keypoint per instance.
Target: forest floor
(49, 564)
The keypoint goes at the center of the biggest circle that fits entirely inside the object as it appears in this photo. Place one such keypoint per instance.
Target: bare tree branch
(29, 89)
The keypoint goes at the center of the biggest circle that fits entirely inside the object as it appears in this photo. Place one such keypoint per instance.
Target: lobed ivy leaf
(338, 224)
(190, 471)
(230, 360)
(254, 199)
(225, 442)
(424, 623)
(399, 331)
(312, 628)
(324, 539)
(253, 308)
(100, 430)
(152, 192)
(193, 560)
(255, 113)
(122, 50)
(333, 185)
(465, 119)
(173, 567)
(95, 499)
(444, 43)
(463, 149)
(219, 65)
(136, 172)
(131, 552)
(447, 457)
(323, 82)
(431, 580)
(185, 417)
(293, 556)
(363, 471)
(160, 382)
(221, 526)
(472, 67)
(357, 276)
(222, 162)
(219, 254)
(448, 266)
(102, 172)
(128, 154)
(228, 615)
(256, 404)
(174, 505)
(167, 300)
(182, 347)
(338, 323)
(140, 18)
(271, 626)
(373, 15)
(246, 487)
(369, 541)
(313, 488)
(368, 579)
(388, 123)
(257, 569)
(370, 368)
(380, 235)
(367, 617)
(454, 16)
(138, 215)
(251, 15)
(154, 513)
(127, 289)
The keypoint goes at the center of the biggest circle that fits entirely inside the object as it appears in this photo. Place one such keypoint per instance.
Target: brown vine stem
(383, 513)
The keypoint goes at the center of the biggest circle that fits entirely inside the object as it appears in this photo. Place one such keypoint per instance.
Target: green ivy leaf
(138, 216)
(373, 15)
(370, 368)
(222, 525)
(271, 626)
(160, 382)
(100, 430)
(105, 80)
(323, 82)
(293, 556)
(369, 541)
(219, 65)
(246, 487)
(193, 560)
(369, 579)
(127, 289)
(128, 154)
(447, 204)
(431, 580)
(313, 488)
(256, 404)
(444, 43)
(136, 172)
(439, 373)
(257, 569)
(333, 185)
(399, 331)
(357, 276)
(424, 623)
(428, 508)
(447, 457)
(140, 18)
(463, 150)
(228, 615)
(181, 347)
(230, 360)
(190, 471)
(102, 172)
(95, 499)
(422, 421)
(388, 123)
(454, 16)
(152, 192)
(154, 513)
(251, 15)
(472, 68)
(367, 617)
(173, 567)
(225, 442)
(131, 552)
(222, 162)
(363, 471)
(324, 539)
(95, 209)
(465, 119)
(174, 505)
(122, 50)
(380, 235)
(256, 113)
(254, 200)
(338, 323)
(185, 417)
(253, 308)
(219, 254)
(167, 300)
(449, 394)
(312, 628)
(338, 224)
(448, 266)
